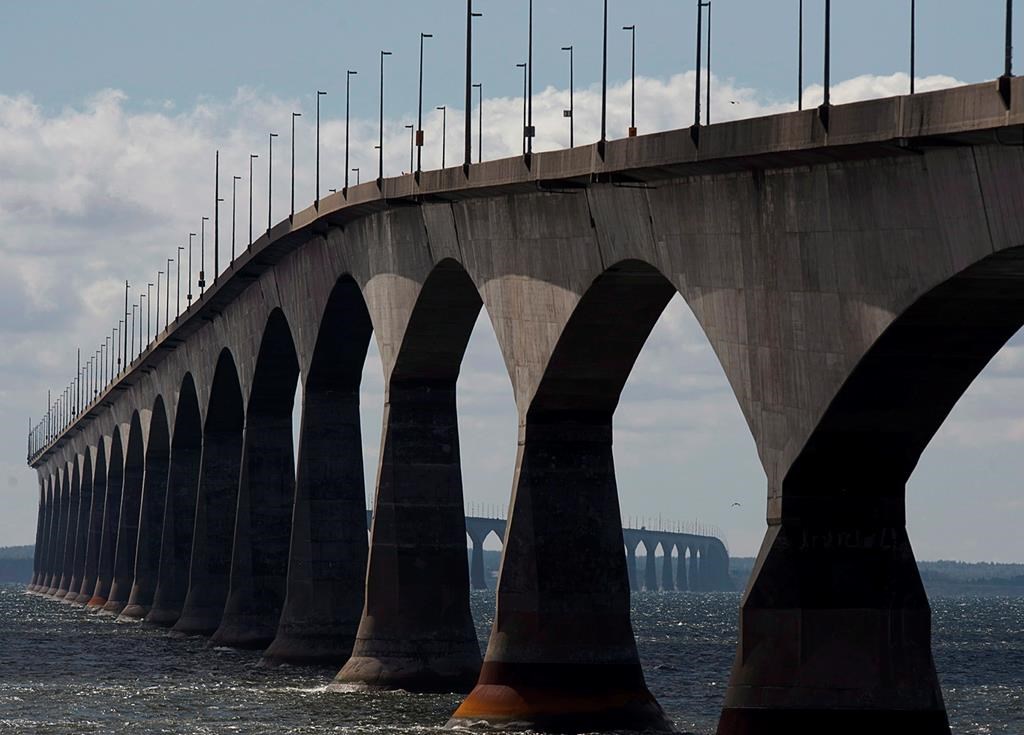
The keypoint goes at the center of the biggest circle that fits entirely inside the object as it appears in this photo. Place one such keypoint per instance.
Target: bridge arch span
(128, 517)
(111, 517)
(417, 629)
(216, 501)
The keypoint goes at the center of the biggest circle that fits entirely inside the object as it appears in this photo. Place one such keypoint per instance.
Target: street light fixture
(570, 113)
(800, 60)
(216, 220)
(480, 125)
(913, 42)
(234, 184)
(167, 298)
(189, 297)
(202, 255)
(319, 94)
(380, 145)
(632, 93)
(523, 67)
(270, 179)
(291, 214)
(469, 85)
(252, 157)
(159, 276)
(444, 131)
(529, 129)
(419, 114)
(604, 84)
(348, 90)
(177, 307)
(707, 106)
(149, 309)
(412, 140)
(824, 110)
(356, 169)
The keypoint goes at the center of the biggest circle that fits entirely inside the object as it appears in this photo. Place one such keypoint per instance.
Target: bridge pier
(476, 564)
(128, 522)
(835, 628)
(562, 655)
(668, 582)
(84, 510)
(650, 568)
(416, 631)
(92, 546)
(60, 577)
(108, 532)
(37, 553)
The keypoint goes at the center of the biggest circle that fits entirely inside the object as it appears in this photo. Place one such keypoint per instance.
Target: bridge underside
(851, 280)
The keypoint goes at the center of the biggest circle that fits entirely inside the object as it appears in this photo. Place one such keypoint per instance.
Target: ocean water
(63, 670)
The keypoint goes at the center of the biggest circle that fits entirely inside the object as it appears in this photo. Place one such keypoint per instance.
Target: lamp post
(480, 125)
(913, 42)
(469, 84)
(356, 169)
(700, 58)
(523, 67)
(189, 296)
(291, 214)
(632, 74)
(419, 114)
(380, 144)
(124, 334)
(167, 298)
(529, 74)
(828, 62)
(444, 131)
(319, 94)
(159, 275)
(216, 221)
(202, 255)
(132, 329)
(1008, 70)
(800, 60)
(177, 306)
(252, 157)
(149, 309)
(604, 83)
(270, 179)
(348, 90)
(707, 91)
(412, 141)
(234, 184)
(571, 112)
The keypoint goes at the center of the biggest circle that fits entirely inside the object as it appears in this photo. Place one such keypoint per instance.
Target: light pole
(356, 169)
(604, 83)
(1008, 71)
(380, 144)
(167, 298)
(216, 221)
(412, 142)
(913, 42)
(270, 179)
(252, 157)
(632, 92)
(348, 91)
(529, 73)
(700, 58)
(523, 67)
(444, 131)
(189, 296)
(202, 255)
(319, 94)
(149, 309)
(469, 85)
(419, 114)
(800, 60)
(828, 62)
(291, 214)
(480, 124)
(570, 113)
(234, 184)
(177, 305)
(134, 307)
(159, 275)
(707, 91)
(124, 334)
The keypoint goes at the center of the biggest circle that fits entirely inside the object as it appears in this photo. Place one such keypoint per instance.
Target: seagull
(736, 505)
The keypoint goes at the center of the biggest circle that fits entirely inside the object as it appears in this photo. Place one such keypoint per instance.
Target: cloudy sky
(107, 137)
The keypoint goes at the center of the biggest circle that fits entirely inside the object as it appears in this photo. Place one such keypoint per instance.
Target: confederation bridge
(853, 272)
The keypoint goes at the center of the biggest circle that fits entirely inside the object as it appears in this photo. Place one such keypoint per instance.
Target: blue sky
(110, 112)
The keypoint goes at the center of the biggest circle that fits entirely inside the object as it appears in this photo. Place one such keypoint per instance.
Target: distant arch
(128, 522)
(111, 519)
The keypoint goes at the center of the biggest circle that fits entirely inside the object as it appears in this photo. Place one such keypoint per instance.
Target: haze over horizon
(108, 164)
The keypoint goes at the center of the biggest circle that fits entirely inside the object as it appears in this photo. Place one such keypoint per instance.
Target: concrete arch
(37, 555)
(54, 553)
(216, 502)
(91, 560)
(418, 547)
(128, 519)
(151, 513)
(266, 492)
(328, 552)
(81, 541)
(111, 519)
(72, 498)
(186, 446)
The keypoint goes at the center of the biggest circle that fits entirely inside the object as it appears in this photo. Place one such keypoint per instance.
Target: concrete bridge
(853, 272)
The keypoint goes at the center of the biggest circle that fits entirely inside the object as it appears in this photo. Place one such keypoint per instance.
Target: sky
(107, 138)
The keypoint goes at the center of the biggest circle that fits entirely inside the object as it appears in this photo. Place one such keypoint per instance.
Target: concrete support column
(417, 631)
(668, 581)
(52, 531)
(58, 587)
(92, 547)
(562, 655)
(37, 555)
(84, 509)
(176, 535)
(682, 573)
(835, 628)
(694, 571)
(327, 561)
(259, 561)
(108, 539)
(151, 519)
(216, 503)
(631, 569)
(476, 565)
(650, 569)
(127, 530)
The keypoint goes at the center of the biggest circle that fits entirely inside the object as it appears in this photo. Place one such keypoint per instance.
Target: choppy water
(63, 670)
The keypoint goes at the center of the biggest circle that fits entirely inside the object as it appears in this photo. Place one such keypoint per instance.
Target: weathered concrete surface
(90, 564)
(128, 521)
(817, 262)
(111, 515)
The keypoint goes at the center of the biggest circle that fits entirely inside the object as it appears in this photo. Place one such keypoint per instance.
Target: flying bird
(736, 505)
